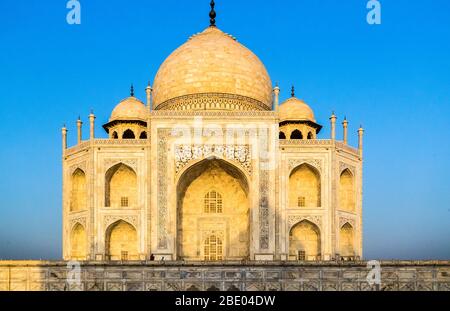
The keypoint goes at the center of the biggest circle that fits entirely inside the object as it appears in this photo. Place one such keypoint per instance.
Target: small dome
(129, 109)
(212, 65)
(295, 109)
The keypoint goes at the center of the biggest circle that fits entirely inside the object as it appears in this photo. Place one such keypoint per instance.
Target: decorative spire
(212, 15)
(132, 90)
(293, 91)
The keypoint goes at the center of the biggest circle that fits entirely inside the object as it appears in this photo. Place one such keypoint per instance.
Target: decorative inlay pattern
(100, 142)
(163, 135)
(306, 142)
(133, 163)
(110, 219)
(238, 154)
(82, 166)
(264, 209)
(212, 101)
(295, 219)
(212, 113)
(264, 196)
(78, 220)
(316, 163)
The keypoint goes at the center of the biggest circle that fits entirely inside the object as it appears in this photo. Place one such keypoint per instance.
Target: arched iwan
(226, 217)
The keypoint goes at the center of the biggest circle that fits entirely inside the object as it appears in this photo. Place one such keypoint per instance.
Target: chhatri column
(79, 129)
(333, 119)
(345, 127)
(92, 125)
(360, 140)
(276, 92)
(64, 138)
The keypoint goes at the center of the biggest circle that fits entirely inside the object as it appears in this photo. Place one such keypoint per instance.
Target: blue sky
(393, 78)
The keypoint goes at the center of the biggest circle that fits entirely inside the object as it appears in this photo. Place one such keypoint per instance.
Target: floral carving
(237, 154)
(344, 220)
(345, 166)
(163, 135)
(317, 164)
(295, 219)
(110, 219)
(133, 163)
(78, 220)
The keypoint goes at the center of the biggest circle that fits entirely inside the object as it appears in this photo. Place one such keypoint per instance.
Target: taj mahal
(216, 180)
(212, 166)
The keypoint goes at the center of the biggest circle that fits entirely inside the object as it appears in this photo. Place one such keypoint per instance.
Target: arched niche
(305, 187)
(121, 187)
(195, 225)
(78, 243)
(78, 197)
(304, 241)
(347, 241)
(121, 242)
(347, 191)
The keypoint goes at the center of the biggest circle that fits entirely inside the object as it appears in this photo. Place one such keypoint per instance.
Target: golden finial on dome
(293, 91)
(132, 91)
(212, 14)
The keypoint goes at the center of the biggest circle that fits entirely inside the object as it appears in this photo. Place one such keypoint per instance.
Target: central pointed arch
(213, 201)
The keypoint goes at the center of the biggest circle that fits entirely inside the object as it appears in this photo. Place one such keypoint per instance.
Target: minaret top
(212, 14)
